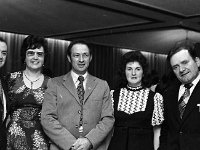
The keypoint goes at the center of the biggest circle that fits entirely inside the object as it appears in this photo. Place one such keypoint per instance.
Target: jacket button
(180, 132)
(79, 111)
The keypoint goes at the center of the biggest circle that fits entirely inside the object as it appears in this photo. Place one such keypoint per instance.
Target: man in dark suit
(75, 121)
(3, 110)
(181, 128)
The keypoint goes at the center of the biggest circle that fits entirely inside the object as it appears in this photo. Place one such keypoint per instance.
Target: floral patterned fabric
(24, 130)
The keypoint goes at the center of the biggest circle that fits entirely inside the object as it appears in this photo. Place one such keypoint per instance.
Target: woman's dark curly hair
(33, 42)
(132, 56)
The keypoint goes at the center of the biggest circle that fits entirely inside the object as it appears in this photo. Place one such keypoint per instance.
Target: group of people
(78, 111)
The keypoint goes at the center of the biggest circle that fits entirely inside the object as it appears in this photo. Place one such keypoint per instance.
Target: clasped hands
(81, 144)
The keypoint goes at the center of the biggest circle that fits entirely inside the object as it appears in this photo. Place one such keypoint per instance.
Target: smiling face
(3, 53)
(34, 58)
(134, 74)
(80, 58)
(184, 66)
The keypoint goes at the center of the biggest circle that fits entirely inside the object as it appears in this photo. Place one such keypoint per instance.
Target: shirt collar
(75, 76)
(194, 82)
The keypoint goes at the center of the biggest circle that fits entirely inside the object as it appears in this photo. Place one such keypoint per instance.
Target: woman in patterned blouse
(26, 94)
(138, 110)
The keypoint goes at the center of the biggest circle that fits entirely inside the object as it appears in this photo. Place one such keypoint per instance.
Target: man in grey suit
(72, 123)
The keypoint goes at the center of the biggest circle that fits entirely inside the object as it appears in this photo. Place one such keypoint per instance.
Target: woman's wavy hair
(133, 56)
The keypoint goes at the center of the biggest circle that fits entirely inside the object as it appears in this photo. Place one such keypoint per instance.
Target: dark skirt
(126, 138)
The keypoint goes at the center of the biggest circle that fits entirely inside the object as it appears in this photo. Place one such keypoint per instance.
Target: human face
(80, 58)
(35, 58)
(3, 53)
(184, 66)
(134, 73)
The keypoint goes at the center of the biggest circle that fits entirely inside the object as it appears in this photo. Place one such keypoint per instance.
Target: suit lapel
(174, 103)
(4, 86)
(5, 97)
(69, 84)
(90, 85)
(192, 102)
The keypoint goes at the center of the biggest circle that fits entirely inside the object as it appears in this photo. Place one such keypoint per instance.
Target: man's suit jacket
(3, 124)
(61, 112)
(176, 133)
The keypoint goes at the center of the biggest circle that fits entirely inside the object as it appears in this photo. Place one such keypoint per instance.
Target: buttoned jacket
(61, 112)
(177, 133)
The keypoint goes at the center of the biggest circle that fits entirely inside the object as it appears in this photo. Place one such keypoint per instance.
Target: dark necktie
(181, 103)
(80, 92)
(80, 89)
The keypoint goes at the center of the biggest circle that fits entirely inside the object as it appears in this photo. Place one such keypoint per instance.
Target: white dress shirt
(4, 105)
(76, 81)
(182, 89)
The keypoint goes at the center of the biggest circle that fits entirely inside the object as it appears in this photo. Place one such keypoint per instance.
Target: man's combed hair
(2, 40)
(184, 45)
(78, 42)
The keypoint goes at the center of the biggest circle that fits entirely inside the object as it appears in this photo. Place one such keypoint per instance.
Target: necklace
(31, 81)
(134, 88)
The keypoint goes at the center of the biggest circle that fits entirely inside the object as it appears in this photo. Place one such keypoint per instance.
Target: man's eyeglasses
(32, 53)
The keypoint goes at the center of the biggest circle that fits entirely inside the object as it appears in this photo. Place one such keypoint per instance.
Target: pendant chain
(31, 81)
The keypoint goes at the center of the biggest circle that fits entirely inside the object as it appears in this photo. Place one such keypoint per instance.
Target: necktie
(80, 92)
(182, 103)
(80, 89)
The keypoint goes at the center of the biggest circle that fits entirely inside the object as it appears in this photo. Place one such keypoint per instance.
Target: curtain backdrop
(105, 63)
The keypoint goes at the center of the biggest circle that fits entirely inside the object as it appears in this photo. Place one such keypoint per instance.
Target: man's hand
(82, 144)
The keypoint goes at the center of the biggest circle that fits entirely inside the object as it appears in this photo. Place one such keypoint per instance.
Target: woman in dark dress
(138, 111)
(26, 94)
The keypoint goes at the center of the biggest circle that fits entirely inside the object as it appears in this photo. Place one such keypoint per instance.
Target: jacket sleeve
(49, 119)
(104, 128)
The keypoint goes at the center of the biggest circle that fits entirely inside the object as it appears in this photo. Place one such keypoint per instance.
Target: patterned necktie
(80, 92)
(80, 89)
(181, 103)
